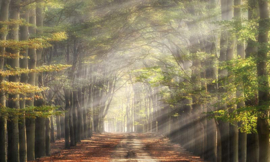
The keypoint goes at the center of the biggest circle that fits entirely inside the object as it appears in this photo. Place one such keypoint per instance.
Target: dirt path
(131, 149)
(98, 148)
(162, 149)
(121, 147)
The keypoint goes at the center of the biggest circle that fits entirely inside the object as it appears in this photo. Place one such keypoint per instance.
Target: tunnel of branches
(195, 71)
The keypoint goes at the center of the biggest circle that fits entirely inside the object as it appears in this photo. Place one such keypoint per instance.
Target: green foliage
(245, 117)
(244, 73)
(31, 111)
(20, 88)
(35, 43)
(44, 68)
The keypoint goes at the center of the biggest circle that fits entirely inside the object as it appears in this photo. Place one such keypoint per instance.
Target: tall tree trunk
(211, 140)
(193, 49)
(210, 152)
(263, 85)
(13, 102)
(83, 113)
(225, 49)
(251, 51)
(79, 116)
(96, 108)
(40, 121)
(154, 104)
(30, 122)
(86, 112)
(62, 122)
(197, 111)
(3, 121)
(67, 118)
(58, 127)
(242, 146)
(40, 136)
(24, 79)
(71, 121)
(91, 100)
(52, 130)
(48, 136)
(233, 129)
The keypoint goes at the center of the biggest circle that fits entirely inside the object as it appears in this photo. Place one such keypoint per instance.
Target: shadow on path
(116, 147)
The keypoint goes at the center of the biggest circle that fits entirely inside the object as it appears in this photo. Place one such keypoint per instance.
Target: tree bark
(242, 146)
(40, 121)
(67, 118)
(30, 122)
(233, 129)
(263, 85)
(71, 121)
(62, 123)
(78, 111)
(24, 35)
(58, 127)
(52, 130)
(48, 136)
(251, 51)
(3, 121)
(83, 113)
(13, 102)
(225, 50)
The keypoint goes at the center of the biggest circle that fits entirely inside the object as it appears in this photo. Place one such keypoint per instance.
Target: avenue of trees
(195, 71)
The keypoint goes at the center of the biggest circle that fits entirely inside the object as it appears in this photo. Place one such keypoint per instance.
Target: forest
(193, 73)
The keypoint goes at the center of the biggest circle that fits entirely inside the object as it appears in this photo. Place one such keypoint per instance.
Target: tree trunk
(62, 123)
(84, 120)
(71, 121)
(251, 50)
(40, 121)
(233, 129)
(40, 143)
(86, 113)
(252, 148)
(52, 130)
(3, 121)
(263, 85)
(94, 109)
(48, 136)
(210, 152)
(225, 49)
(58, 127)
(78, 110)
(30, 122)
(24, 79)
(242, 146)
(67, 118)
(91, 100)
(13, 102)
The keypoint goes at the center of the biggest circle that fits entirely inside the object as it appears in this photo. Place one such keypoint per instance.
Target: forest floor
(116, 147)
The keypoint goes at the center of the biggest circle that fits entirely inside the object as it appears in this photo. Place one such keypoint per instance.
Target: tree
(13, 102)
(240, 94)
(40, 138)
(3, 123)
(24, 79)
(30, 122)
(263, 85)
